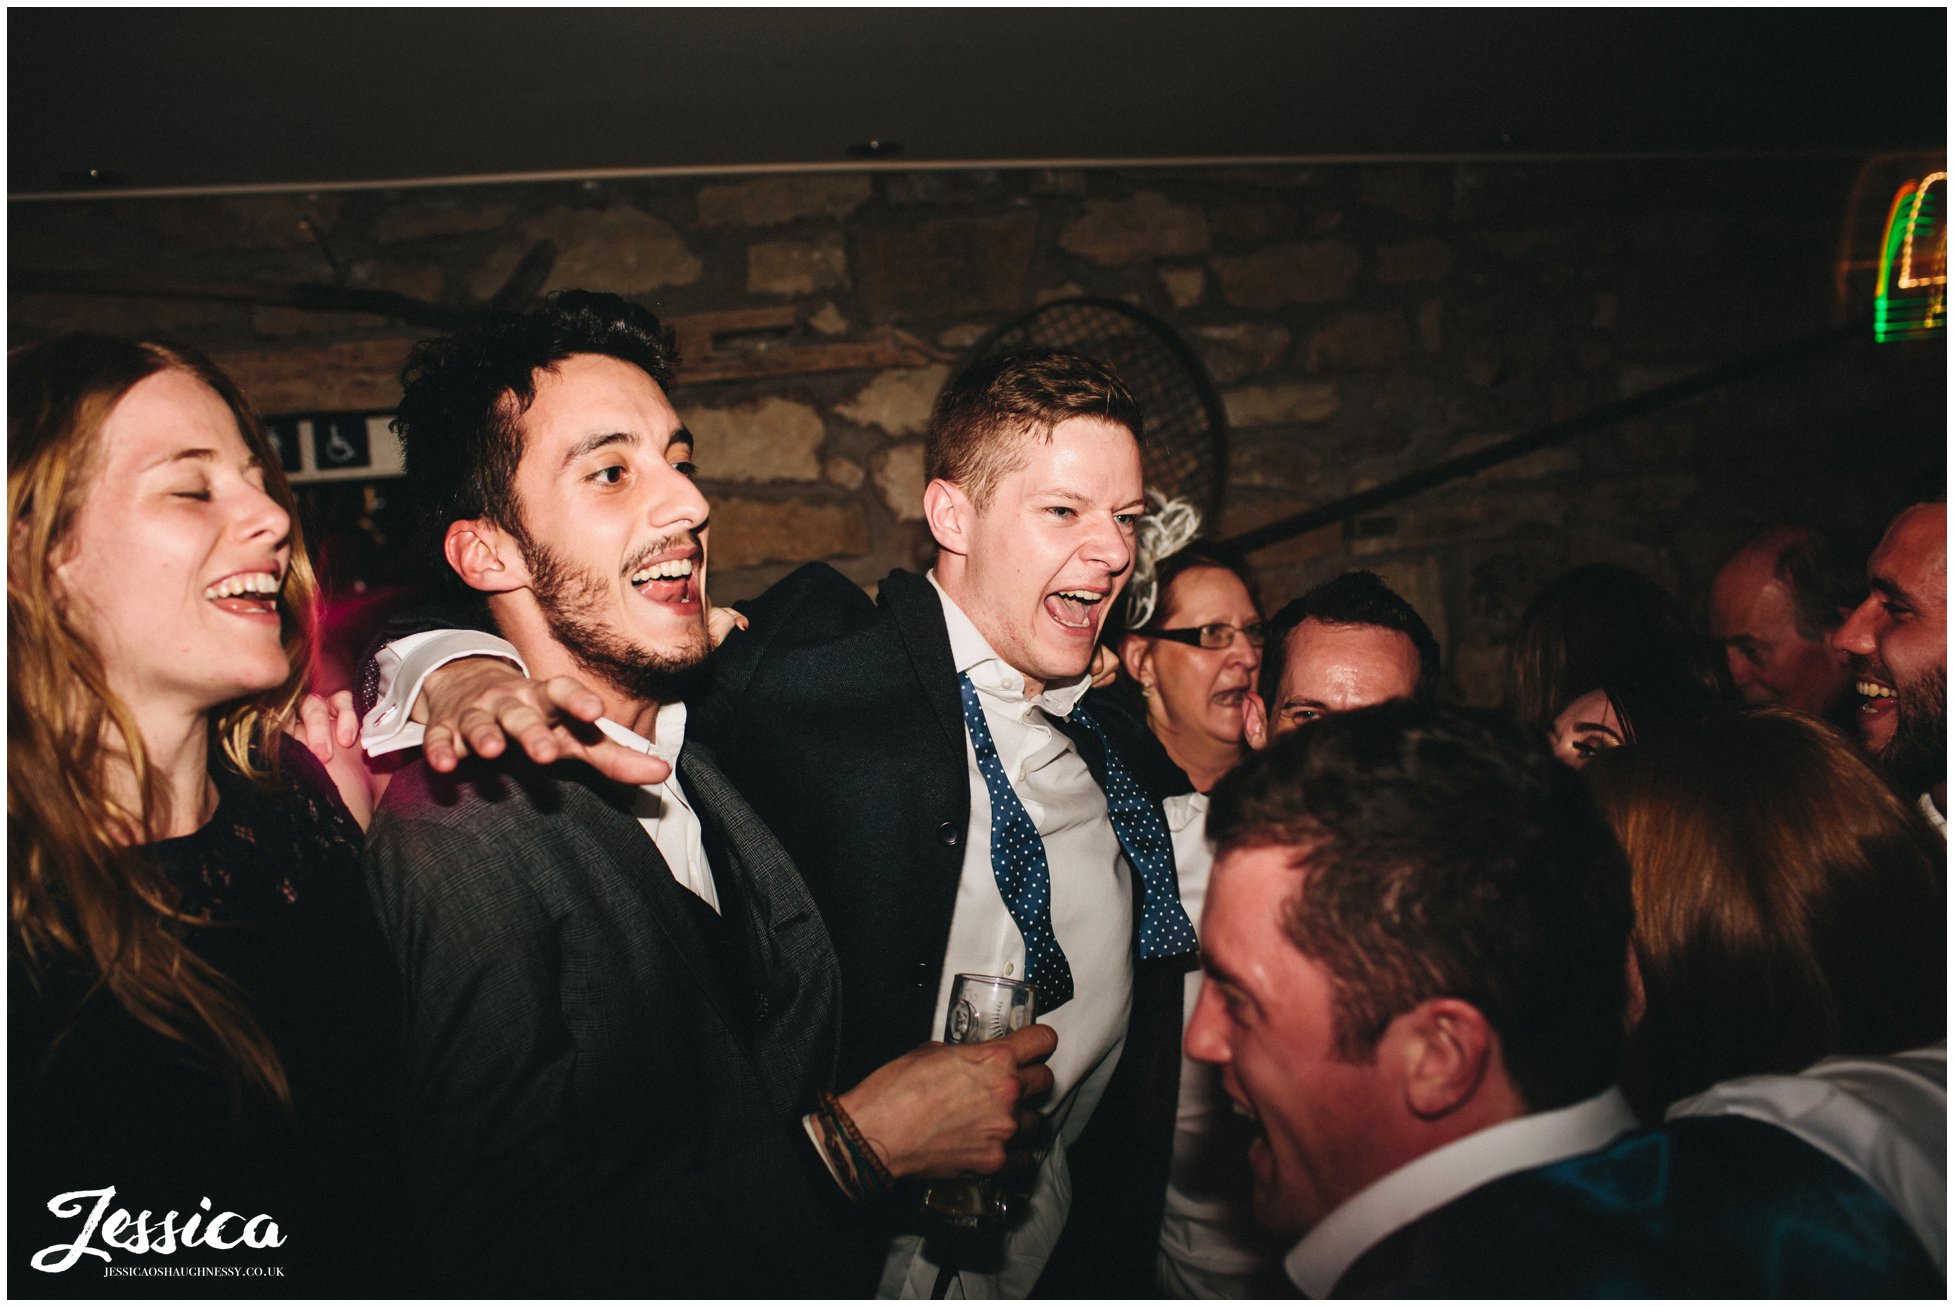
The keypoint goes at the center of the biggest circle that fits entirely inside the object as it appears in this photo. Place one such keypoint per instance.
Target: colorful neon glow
(1911, 301)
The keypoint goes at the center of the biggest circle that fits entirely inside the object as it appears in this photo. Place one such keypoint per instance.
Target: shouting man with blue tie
(926, 762)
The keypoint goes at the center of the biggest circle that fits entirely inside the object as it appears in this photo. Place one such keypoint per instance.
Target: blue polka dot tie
(1018, 862)
(1165, 931)
(1024, 877)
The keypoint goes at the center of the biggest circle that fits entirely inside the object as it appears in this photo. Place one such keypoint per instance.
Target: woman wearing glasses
(1193, 649)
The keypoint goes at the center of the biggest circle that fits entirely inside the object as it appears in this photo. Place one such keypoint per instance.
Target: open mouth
(247, 594)
(1075, 610)
(1252, 1130)
(668, 581)
(1874, 696)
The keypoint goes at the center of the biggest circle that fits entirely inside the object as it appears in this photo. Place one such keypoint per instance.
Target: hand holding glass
(981, 1008)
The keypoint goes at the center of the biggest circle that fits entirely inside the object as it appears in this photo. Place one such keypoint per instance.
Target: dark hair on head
(984, 417)
(1823, 581)
(1353, 599)
(1443, 853)
(1824, 584)
(1789, 906)
(1596, 626)
(1648, 697)
(465, 393)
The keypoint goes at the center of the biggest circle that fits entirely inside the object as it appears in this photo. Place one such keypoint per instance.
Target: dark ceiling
(221, 98)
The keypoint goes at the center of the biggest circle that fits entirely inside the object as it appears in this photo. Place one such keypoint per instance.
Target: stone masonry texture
(1357, 323)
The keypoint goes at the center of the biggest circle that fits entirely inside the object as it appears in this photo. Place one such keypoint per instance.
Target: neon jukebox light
(1911, 301)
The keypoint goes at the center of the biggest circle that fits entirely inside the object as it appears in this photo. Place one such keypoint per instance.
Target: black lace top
(98, 1099)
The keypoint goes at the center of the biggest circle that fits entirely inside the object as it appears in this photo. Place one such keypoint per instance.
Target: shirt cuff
(404, 665)
(821, 1150)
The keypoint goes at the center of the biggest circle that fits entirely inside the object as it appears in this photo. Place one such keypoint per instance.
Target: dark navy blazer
(1702, 1207)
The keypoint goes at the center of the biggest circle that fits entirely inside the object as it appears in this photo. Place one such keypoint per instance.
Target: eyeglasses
(1215, 635)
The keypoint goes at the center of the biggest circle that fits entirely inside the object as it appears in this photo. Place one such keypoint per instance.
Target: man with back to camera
(1347, 643)
(1774, 606)
(919, 754)
(1897, 641)
(621, 1003)
(1414, 944)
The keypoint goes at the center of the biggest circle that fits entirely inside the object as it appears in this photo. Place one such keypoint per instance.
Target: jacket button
(947, 834)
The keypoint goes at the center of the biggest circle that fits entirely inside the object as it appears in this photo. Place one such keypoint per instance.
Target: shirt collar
(1430, 1182)
(667, 729)
(989, 672)
(1931, 811)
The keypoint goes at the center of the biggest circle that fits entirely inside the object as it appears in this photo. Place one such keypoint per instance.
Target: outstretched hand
(476, 706)
(952, 1109)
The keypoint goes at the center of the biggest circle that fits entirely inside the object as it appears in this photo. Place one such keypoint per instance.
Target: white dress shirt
(1882, 1118)
(1091, 903)
(662, 809)
(1428, 1183)
(1092, 916)
(1209, 1246)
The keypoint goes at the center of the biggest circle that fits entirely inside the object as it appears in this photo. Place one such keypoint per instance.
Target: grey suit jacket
(591, 1106)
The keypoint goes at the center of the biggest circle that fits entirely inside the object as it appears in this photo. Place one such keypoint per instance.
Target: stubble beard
(570, 597)
(1916, 757)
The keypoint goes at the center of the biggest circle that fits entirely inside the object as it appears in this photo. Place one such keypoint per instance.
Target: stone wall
(1359, 322)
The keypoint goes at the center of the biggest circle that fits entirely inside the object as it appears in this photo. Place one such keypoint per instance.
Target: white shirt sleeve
(404, 665)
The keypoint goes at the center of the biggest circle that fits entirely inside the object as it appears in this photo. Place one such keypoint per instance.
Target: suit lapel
(795, 978)
(919, 618)
(636, 857)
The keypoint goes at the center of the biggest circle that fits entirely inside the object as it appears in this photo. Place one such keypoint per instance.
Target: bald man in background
(1774, 606)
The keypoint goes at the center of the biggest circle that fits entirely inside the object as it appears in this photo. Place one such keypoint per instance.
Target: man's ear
(485, 556)
(949, 512)
(1255, 720)
(1444, 1047)
(1134, 656)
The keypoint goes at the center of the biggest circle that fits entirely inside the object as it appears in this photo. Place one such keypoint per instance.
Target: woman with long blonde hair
(200, 1004)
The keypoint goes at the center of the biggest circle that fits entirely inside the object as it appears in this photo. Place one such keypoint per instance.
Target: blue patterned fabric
(1018, 862)
(1165, 931)
(1024, 876)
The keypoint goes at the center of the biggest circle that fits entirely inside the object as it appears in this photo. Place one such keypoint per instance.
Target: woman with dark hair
(1192, 650)
(201, 1011)
(1618, 713)
(1600, 626)
(1788, 907)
